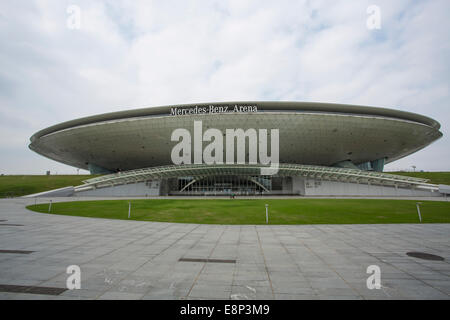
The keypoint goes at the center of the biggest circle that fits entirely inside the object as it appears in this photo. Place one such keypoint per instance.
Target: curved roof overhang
(263, 106)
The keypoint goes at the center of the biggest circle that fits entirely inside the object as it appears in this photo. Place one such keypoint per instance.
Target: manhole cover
(425, 256)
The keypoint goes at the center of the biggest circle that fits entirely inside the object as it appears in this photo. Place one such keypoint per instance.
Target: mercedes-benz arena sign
(244, 132)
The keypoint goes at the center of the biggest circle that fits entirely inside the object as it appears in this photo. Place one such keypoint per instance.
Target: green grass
(281, 211)
(435, 177)
(20, 185)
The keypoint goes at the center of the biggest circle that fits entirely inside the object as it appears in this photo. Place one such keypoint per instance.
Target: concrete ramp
(61, 192)
(445, 189)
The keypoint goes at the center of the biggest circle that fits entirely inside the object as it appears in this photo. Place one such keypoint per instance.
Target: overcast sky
(132, 54)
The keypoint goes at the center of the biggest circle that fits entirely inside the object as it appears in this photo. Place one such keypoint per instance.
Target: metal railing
(308, 171)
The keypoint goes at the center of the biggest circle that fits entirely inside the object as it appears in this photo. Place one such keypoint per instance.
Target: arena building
(242, 148)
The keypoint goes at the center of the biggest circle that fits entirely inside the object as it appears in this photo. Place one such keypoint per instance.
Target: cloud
(149, 53)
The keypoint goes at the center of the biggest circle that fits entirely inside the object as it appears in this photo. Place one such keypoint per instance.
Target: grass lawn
(236, 211)
(20, 185)
(435, 177)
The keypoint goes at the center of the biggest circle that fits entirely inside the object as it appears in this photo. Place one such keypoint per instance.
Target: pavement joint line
(167, 248)
(109, 252)
(420, 240)
(265, 262)
(410, 274)
(331, 267)
(399, 269)
(204, 264)
(295, 262)
(421, 263)
(233, 281)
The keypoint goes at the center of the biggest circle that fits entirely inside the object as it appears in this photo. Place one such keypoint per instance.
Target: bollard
(267, 213)
(129, 209)
(50, 206)
(418, 211)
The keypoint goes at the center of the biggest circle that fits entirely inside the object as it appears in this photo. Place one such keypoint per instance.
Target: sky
(61, 60)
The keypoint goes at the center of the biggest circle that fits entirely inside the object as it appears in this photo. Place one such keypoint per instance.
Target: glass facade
(224, 184)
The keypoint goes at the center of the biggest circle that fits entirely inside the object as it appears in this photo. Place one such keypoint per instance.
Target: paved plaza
(141, 260)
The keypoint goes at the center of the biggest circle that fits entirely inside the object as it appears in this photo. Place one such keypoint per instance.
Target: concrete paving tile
(422, 292)
(336, 291)
(442, 285)
(84, 294)
(135, 259)
(113, 295)
(29, 296)
(252, 283)
(132, 286)
(326, 283)
(339, 297)
(289, 296)
(8, 295)
(160, 294)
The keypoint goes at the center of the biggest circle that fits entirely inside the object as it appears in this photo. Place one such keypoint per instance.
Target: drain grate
(16, 251)
(207, 260)
(31, 289)
(11, 224)
(425, 256)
